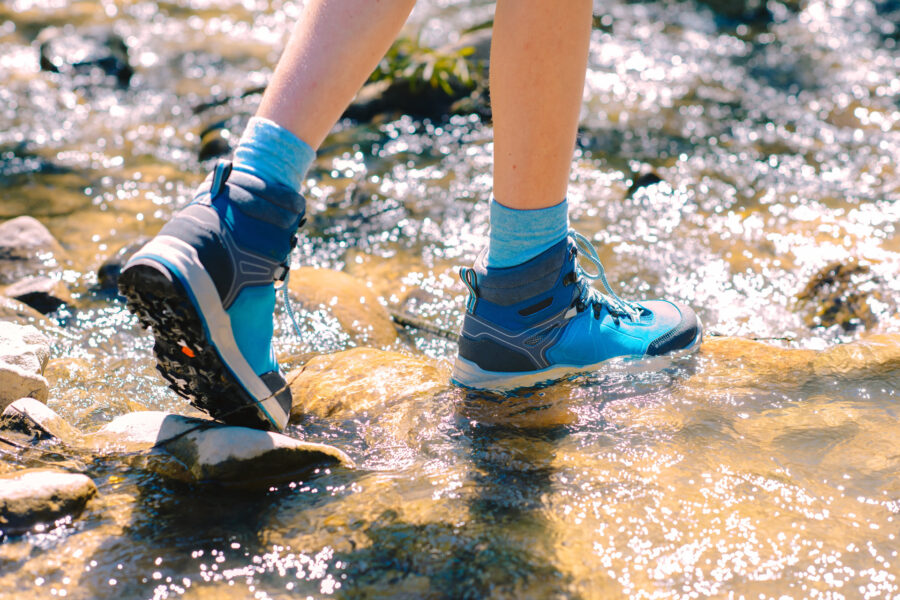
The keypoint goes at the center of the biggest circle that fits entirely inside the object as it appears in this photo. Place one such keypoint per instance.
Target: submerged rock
(199, 450)
(351, 302)
(37, 420)
(24, 352)
(44, 294)
(27, 248)
(353, 382)
(35, 496)
(535, 408)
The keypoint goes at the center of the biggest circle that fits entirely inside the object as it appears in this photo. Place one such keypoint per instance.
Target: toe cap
(683, 335)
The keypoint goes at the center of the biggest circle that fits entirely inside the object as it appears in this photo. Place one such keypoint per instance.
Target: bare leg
(538, 60)
(334, 48)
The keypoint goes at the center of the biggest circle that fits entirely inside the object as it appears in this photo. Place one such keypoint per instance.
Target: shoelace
(590, 295)
(286, 298)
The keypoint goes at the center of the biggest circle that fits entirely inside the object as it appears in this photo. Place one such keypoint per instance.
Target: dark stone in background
(109, 271)
(89, 56)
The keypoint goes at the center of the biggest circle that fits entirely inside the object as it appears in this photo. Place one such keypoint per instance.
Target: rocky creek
(738, 156)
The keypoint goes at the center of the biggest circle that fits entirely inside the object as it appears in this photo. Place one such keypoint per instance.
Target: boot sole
(185, 355)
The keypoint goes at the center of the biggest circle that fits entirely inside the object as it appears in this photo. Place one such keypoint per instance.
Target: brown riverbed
(755, 468)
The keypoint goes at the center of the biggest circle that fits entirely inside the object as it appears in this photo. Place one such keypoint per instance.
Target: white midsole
(468, 374)
(182, 257)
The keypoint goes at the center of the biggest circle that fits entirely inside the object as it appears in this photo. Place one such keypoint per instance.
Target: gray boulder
(27, 248)
(199, 450)
(34, 496)
(24, 352)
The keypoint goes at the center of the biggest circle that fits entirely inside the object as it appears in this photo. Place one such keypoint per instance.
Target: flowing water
(748, 470)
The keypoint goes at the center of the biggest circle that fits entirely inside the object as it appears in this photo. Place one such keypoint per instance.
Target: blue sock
(274, 154)
(518, 236)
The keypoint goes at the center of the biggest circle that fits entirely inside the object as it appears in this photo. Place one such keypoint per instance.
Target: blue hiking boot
(206, 286)
(541, 321)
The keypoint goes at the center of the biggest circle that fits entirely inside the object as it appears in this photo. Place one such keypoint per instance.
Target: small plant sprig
(408, 60)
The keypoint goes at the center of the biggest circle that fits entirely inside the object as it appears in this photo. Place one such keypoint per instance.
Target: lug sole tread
(162, 306)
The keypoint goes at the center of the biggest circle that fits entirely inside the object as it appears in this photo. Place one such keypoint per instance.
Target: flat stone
(36, 419)
(24, 352)
(352, 303)
(35, 496)
(349, 383)
(27, 248)
(44, 294)
(205, 451)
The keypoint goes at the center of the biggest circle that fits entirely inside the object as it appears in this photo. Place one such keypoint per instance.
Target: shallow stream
(752, 469)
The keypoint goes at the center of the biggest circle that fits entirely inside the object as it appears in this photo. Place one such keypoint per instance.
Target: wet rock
(390, 278)
(27, 248)
(873, 355)
(199, 450)
(19, 312)
(351, 302)
(347, 384)
(839, 294)
(108, 522)
(89, 56)
(35, 496)
(756, 356)
(35, 419)
(44, 294)
(24, 352)
(731, 363)
(109, 271)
